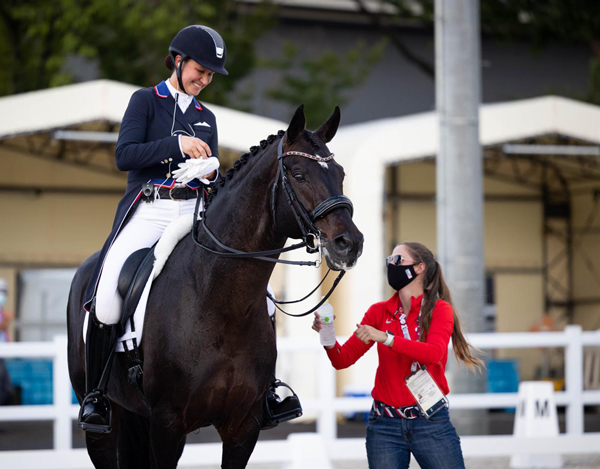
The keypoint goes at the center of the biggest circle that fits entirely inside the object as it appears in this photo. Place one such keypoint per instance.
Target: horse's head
(312, 186)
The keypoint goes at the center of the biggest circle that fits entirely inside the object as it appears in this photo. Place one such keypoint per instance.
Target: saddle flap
(142, 262)
(129, 269)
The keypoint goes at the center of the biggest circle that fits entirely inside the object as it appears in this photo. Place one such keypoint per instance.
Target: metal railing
(326, 405)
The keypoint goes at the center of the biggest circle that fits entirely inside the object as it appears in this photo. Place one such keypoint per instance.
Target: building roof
(106, 100)
(416, 137)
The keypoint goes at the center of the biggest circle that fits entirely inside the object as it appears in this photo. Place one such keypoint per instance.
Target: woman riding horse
(208, 348)
(162, 127)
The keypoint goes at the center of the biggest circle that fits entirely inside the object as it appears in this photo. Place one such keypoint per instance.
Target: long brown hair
(434, 289)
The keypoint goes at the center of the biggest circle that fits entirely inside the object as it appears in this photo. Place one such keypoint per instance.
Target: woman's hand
(210, 176)
(194, 147)
(318, 322)
(367, 334)
(318, 325)
(7, 318)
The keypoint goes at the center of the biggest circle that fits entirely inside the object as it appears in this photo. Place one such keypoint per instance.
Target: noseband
(311, 235)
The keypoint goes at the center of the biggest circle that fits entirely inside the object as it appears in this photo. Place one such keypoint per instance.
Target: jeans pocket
(441, 416)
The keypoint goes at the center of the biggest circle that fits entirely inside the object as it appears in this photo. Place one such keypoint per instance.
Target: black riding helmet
(201, 44)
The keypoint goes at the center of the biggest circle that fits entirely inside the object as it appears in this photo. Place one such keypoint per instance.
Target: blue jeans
(434, 442)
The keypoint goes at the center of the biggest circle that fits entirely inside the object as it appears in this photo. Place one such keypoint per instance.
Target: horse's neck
(239, 216)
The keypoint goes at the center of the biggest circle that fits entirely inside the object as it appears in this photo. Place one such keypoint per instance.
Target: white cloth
(270, 304)
(183, 100)
(143, 230)
(195, 168)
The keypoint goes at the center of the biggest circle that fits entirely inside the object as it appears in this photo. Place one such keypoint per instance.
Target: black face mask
(400, 275)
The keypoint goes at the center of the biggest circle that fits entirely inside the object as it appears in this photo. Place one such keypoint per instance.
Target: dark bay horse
(208, 346)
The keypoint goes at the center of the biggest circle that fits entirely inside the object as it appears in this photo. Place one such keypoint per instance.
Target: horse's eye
(299, 177)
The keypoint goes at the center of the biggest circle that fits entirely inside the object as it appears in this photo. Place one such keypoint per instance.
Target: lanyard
(405, 331)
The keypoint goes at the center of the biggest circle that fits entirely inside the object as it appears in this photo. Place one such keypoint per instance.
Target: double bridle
(311, 235)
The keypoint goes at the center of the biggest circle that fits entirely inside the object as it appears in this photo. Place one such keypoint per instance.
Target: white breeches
(142, 231)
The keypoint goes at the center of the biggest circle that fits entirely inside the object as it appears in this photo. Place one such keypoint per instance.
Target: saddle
(133, 278)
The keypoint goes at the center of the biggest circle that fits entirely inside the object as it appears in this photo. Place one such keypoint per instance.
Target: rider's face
(195, 77)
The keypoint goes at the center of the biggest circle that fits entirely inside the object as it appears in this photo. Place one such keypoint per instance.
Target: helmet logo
(217, 39)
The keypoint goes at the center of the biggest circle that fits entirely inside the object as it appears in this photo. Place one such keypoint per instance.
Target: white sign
(536, 417)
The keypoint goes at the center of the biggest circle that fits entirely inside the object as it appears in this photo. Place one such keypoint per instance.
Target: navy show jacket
(148, 150)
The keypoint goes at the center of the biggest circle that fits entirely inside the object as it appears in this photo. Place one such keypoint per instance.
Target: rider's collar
(183, 100)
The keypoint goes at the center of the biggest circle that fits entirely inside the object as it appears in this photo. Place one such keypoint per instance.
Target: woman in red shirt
(412, 329)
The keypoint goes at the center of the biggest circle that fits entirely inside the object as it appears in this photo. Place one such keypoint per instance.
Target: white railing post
(63, 438)
(574, 379)
(326, 388)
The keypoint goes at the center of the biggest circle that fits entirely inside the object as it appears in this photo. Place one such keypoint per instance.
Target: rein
(311, 235)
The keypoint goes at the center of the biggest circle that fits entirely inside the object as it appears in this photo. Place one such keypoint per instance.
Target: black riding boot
(277, 410)
(95, 414)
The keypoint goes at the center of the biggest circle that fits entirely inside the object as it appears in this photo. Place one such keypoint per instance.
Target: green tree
(127, 38)
(323, 82)
(567, 21)
(538, 22)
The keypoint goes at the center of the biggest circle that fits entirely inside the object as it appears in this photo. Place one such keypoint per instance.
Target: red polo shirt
(395, 362)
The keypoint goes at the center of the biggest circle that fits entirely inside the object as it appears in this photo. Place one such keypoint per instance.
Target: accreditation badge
(426, 392)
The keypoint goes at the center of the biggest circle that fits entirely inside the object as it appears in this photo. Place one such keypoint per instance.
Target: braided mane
(237, 165)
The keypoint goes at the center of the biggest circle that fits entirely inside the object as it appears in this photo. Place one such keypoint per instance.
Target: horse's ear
(297, 124)
(327, 131)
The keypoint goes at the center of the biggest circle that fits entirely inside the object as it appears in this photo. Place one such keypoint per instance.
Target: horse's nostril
(342, 243)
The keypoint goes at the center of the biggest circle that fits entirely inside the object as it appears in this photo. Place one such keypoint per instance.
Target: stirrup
(278, 411)
(99, 409)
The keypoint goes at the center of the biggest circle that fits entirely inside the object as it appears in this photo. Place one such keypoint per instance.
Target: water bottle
(327, 332)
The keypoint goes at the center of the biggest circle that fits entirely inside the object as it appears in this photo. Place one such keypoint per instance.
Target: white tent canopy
(106, 100)
(414, 137)
(387, 140)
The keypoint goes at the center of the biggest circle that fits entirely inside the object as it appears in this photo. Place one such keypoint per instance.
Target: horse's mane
(243, 159)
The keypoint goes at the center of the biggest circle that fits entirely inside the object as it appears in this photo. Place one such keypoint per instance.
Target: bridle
(311, 235)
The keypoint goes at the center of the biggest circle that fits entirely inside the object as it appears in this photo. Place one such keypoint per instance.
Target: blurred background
(67, 70)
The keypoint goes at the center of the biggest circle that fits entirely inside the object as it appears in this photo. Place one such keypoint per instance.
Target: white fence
(326, 405)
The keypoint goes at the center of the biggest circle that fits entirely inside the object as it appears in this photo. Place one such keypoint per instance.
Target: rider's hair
(434, 289)
(169, 63)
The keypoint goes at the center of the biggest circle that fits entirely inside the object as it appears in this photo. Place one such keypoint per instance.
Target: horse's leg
(166, 446)
(133, 441)
(239, 436)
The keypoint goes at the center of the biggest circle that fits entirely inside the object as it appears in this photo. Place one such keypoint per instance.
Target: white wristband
(389, 340)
